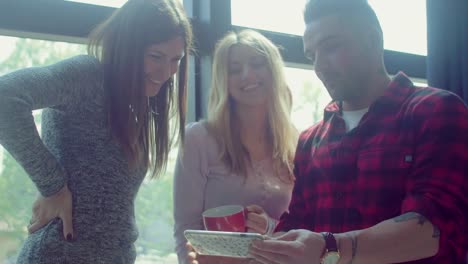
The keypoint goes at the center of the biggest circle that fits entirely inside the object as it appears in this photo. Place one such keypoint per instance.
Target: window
(403, 22)
(309, 97)
(154, 218)
(274, 15)
(111, 3)
(17, 192)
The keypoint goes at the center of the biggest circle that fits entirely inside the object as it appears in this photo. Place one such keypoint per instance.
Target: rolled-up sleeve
(438, 183)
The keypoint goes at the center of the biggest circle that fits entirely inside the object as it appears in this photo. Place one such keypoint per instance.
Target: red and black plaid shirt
(409, 153)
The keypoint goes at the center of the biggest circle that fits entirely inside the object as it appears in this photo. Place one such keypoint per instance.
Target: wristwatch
(331, 255)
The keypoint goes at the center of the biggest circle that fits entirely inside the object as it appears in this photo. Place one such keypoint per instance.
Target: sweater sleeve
(56, 86)
(189, 186)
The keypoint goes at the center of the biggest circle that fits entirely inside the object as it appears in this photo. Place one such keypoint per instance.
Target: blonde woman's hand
(258, 220)
(46, 209)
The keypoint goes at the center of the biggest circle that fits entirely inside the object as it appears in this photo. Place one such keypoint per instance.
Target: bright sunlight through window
(403, 21)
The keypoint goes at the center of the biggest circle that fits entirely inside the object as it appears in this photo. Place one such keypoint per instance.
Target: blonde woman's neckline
(261, 161)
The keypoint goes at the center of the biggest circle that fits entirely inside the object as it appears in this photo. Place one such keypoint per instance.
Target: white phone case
(231, 244)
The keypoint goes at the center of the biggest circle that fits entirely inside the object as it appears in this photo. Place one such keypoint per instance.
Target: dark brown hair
(358, 10)
(120, 43)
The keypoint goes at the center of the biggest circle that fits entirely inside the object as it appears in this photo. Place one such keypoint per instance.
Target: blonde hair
(220, 122)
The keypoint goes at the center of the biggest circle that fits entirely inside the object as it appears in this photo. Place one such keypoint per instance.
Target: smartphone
(216, 243)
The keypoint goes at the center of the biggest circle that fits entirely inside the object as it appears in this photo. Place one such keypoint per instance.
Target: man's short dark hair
(345, 9)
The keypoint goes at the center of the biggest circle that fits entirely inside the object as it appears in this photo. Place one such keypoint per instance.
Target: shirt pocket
(385, 159)
(382, 174)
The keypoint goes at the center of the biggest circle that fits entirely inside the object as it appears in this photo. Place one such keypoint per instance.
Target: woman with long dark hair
(105, 126)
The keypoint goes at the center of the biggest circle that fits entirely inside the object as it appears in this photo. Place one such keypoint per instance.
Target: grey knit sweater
(77, 149)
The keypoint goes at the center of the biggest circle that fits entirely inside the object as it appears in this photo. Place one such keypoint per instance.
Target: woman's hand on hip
(45, 209)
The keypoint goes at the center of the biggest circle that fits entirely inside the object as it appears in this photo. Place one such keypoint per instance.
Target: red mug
(228, 218)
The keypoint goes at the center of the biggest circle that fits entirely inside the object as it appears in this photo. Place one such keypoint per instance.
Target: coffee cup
(228, 218)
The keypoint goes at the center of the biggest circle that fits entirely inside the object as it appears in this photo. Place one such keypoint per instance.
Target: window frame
(66, 20)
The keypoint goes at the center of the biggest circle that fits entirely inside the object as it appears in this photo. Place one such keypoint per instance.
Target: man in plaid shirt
(385, 173)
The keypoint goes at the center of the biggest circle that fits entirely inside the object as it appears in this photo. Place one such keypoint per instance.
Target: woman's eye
(258, 64)
(156, 57)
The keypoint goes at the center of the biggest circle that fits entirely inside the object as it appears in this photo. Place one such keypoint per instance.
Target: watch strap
(330, 242)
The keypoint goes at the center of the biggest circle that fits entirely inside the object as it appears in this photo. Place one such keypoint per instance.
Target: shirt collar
(397, 91)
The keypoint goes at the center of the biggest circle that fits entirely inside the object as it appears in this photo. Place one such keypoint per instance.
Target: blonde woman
(242, 154)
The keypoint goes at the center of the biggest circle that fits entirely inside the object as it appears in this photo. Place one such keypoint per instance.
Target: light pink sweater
(202, 181)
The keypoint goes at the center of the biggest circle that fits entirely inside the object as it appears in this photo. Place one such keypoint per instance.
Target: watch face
(331, 258)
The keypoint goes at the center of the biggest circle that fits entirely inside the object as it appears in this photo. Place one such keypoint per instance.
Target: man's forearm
(404, 238)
